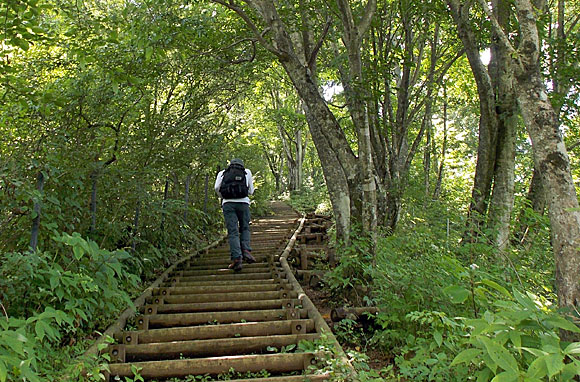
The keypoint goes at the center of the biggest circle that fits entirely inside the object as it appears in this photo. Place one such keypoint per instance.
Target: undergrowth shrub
(50, 298)
(310, 199)
(446, 311)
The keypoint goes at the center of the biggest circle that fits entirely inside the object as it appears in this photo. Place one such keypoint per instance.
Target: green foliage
(355, 270)
(518, 339)
(73, 289)
(311, 199)
(438, 299)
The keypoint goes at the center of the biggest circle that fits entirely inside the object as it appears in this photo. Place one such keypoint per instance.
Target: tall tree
(549, 150)
(297, 55)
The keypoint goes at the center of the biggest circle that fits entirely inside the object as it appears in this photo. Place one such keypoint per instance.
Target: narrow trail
(204, 319)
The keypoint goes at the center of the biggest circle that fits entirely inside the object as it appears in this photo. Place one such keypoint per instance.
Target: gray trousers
(237, 217)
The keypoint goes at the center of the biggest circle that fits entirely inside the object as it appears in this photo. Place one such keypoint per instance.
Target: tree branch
(498, 29)
(572, 24)
(319, 43)
(259, 35)
(367, 17)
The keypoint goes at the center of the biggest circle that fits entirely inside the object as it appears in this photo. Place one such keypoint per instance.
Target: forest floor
(322, 298)
(324, 303)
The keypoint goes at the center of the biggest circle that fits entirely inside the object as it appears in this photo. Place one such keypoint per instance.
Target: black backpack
(234, 185)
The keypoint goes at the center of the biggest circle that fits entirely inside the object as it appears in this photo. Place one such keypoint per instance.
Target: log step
(248, 329)
(205, 320)
(278, 363)
(189, 319)
(205, 348)
(220, 306)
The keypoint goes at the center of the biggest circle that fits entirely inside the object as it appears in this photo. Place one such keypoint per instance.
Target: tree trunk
(437, 190)
(164, 204)
(550, 157)
(205, 193)
(502, 200)
(93, 204)
(299, 159)
(186, 198)
(37, 210)
(135, 226)
(335, 179)
(536, 200)
(357, 95)
(487, 144)
(427, 164)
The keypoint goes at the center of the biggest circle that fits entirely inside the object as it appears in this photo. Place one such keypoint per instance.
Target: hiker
(233, 185)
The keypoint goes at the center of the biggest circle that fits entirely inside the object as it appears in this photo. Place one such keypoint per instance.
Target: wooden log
(223, 297)
(190, 333)
(190, 319)
(221, 306)
(211, 347)
(281, 363)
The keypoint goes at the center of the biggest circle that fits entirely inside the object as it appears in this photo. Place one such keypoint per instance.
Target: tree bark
(37, 210)
(427, 164)
(536, 200)
(299, 159)
(93, 204)
(551, 157)
(135, 226)
(550, 154)
(338, 161)
(487, 143)
(164, 204)
(357, 97)
(502, 200)
(186, 198)
(206, 193)
(437, 190)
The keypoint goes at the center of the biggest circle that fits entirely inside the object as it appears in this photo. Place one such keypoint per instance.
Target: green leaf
(22, 44)
(54, 280)
(500, 355)
(538, 368)
(59, 293)
(466, 355)
(3, 371)
(484, 375)
(573, 348)
(562, 323)
(39, 329)
(438, 337)
(554, 363)
(497, 287)
(78, 252)
(506, 376)
(516, 339)
(148, 53)
(524, 300)
(569, 371)
(457, 293)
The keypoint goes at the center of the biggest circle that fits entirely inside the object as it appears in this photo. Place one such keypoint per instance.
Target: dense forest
(442, 137)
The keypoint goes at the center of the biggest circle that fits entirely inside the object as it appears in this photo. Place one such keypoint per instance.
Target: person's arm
(218, 183)
(250, 182)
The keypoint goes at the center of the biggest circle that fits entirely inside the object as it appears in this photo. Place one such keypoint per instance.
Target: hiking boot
(236, 265)
(247, 256)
